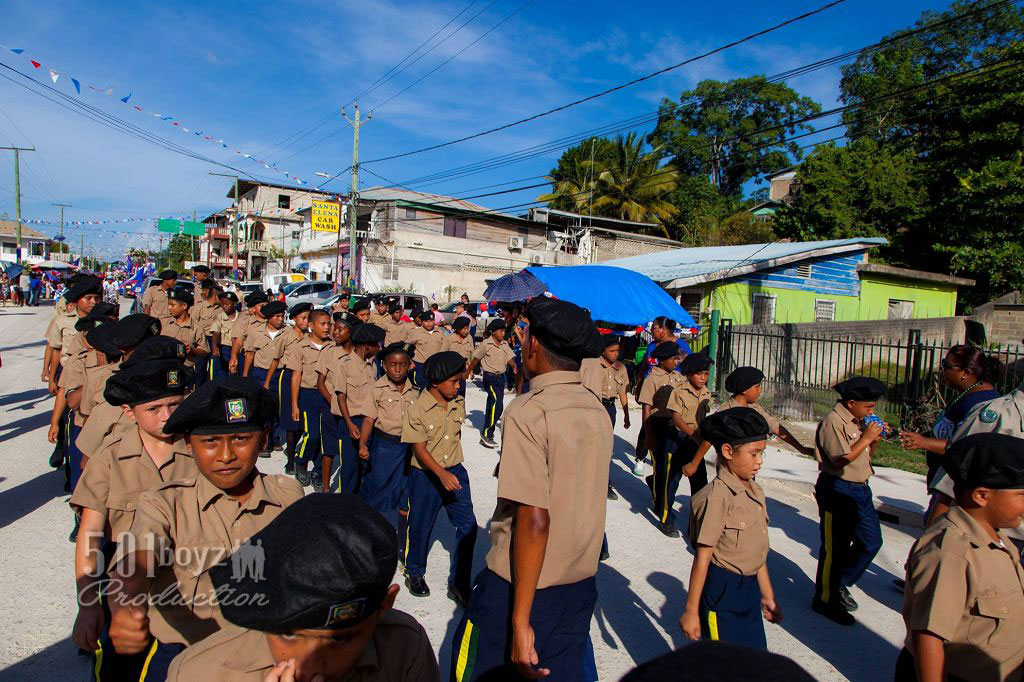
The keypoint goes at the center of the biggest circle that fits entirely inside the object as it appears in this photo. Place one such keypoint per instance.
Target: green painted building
(793, 282)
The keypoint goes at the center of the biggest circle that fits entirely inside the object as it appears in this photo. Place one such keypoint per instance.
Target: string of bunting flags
(173, 121)
(56, 223)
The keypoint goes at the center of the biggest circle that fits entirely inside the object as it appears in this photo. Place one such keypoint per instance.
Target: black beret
(168, 274)
(101, 337)
(105, 309)
(145, 382)
(254, 297)
(860, 388)
(426, 315)
(611, 340)
(224, 405)
(743, 378)
(156, 348)
(333, 575)
(132, 330)
(83, 287)
(444, 365)
(397, 347)
(735, 426)
(460, 323)
(342, 317)
(368, 334)
(208, 284)
(362, 304)
(665, 350)
(495, 325)
(273, 308)
(696, 362)
(89, 321)
(380, 300)
(230, 295)
(394, 308)
(296, 309)
(564, 328)
(989, 460)
(200, 268)
(182, 294)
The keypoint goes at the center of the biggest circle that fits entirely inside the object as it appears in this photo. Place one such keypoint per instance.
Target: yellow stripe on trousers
(305, 437)
(665, 501)
(145, 666)
(826, 567)
(494, 407)
(713, 625)
(460, 664)
(98, 665)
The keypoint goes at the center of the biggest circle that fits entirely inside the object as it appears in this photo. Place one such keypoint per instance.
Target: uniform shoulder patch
(988, 416)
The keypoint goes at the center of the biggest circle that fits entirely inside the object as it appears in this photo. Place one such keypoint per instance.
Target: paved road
(642, 587)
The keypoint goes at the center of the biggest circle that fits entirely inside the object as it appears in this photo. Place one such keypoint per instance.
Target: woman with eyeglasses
(973, 374)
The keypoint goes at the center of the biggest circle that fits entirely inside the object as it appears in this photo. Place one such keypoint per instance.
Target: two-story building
(33, 243)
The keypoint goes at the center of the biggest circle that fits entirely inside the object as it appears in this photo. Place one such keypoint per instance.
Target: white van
(274, 282)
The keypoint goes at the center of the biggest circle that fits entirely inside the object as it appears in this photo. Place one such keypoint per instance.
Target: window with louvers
(454, 227)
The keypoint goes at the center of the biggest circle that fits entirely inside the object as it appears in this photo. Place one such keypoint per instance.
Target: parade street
(642, 587)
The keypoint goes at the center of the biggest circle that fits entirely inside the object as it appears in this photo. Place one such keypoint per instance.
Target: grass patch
(890, 454)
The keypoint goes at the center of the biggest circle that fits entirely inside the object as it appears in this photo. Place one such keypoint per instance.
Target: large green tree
(733, 132)
(573, 179)
(634, 185)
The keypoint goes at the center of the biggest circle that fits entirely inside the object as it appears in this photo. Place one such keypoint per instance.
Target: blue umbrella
(14, 271)
(519, 286)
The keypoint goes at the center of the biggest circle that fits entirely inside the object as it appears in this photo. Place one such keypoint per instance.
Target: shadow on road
(59, 661)
(24, 499)
(32, 395)
(24, 425)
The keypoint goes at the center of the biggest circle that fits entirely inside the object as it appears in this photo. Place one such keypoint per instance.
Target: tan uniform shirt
(60, 332)
(494, 357)
(657, 389)
(556, 447)
(304, 356)
(692, 404)
(427, 343)
(205, 314)
(201, 523)
(773, 423)
(222, 325)
(188, 332)
(104, 419)
(379, 319)
(837, 432)
(119, 472)
(388, 405)
(156, 298)
(396, 331)
(266, 348)
(355, 381)
(438, 426)
(457, 344)
(329, 365)
(245, 323)
(95, 383)
(606, 381)
(291, 338)
(72, 377)
(732, 517)
(968, 589)
(398, 651)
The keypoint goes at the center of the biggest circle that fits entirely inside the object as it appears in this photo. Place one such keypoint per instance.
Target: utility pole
(81, 252)
(234, 229)
(62, 207)
(353, 260)
(17, 193)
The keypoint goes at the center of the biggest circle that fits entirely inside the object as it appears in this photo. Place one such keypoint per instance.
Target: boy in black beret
(428, 340)
(530, 610)
(744, 385)
(964, 600)
(182, 327)
(321, 608)
(183, 527)
(462, 343)
(655, 392)
(306, 407)
(361, 309)
(287, 396)
(264, 346)
(204, 313)
(729, 584)
(850, 532)
(220, 333)
(252, 319)
(493, 355)
(154, 300)
(433, 425)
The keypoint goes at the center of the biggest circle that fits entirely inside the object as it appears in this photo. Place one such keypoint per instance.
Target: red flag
(35, 63)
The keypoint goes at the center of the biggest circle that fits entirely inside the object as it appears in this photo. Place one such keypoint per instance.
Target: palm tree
(573, 192)
(633, 187)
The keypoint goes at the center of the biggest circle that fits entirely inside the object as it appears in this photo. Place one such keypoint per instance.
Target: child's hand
(625, 418)
(364, 452)
(51, 435)
(771, 611)
(689, 623)
(873, 431)
(296, 414)
(690, 469)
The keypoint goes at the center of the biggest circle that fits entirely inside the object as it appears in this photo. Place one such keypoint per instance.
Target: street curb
(887, 512)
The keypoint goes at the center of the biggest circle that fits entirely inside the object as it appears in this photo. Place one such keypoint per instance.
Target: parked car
(474, 308)
(307, 292)
(139, 291)
(274, 282)
(412, 303)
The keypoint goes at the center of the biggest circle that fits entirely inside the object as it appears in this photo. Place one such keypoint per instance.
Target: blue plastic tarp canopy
(611, 294)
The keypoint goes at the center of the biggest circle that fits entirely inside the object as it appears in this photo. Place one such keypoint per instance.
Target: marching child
(730, 588)
(428, 340)
(689, 403)
(494, 356)
(308, 408)
(433, 425)
(353, 377)
(326, 384)
(182, 327)
(264, 346)
(744, 385)
(220, 334)
(607, 378)
(462, 343)
(657, 419)
(284, 388)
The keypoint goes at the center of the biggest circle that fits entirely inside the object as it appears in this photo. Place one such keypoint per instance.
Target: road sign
(326, 216)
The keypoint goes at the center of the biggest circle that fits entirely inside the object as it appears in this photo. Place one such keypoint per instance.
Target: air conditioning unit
(516, 243)
(536, 259)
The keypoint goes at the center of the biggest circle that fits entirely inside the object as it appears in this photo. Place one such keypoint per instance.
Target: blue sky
(254, 74)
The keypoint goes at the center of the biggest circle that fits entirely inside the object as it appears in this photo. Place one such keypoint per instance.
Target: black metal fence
(800, 369)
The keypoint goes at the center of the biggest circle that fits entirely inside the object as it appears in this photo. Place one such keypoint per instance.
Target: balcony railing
(218, 234)
(257, 246)
(224, 261)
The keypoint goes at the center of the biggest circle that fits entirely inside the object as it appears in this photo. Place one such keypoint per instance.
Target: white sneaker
(638, 467)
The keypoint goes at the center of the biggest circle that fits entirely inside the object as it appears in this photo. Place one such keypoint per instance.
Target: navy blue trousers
(309, 448)
(281, 385)
(494, 385)
(330, 444)
(149, 665)
(730, 609)
(426, 498)
(382, 482)
(221, 369)
(561, 624)
(74, 454)
(419, 375)
(347, 476)
(259, 375)
(673, 450)
(851, 535)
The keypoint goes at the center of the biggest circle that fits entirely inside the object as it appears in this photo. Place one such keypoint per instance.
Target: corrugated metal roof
(399, 194)
(8, 228)
(684, 267)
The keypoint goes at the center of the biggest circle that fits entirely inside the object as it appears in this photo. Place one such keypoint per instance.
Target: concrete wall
(1003, 319)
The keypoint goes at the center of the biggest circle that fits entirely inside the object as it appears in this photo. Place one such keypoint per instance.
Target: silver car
(315, 292)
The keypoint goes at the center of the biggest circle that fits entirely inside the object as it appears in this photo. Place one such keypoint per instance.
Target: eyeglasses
(948, 365)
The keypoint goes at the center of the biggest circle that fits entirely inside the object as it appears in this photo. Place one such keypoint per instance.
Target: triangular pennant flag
(54, 75)
(137, 107)
(17, 50)
(78, 86)
(35, 63)
(126, 98)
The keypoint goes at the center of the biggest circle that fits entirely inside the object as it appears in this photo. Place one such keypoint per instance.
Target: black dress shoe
(302, 476)
(836, 614)
(650, 482)
(669, 529)
(57, 458)
(612, 494)
(458, 596)
(289, 468)
(417, 586)
(846, 600)
(604, 554)
(317, 482)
